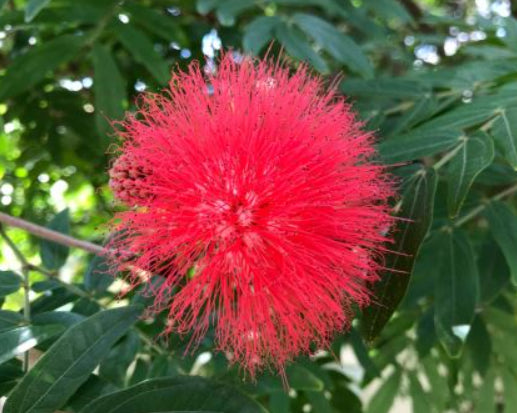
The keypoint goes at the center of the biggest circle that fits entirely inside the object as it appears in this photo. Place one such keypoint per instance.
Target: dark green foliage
(442, 327)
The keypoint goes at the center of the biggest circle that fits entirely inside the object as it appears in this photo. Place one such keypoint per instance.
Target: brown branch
(50, 234)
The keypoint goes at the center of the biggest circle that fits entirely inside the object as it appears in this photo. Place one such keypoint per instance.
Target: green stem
(26, 287)
(449, 155)
(480, 208)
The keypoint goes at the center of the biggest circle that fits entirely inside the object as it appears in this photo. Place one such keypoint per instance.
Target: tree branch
(51, 235)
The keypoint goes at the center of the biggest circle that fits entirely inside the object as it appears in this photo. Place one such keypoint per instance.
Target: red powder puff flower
(253, 199)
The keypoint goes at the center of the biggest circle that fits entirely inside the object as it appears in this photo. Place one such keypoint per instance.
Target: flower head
(254, 200)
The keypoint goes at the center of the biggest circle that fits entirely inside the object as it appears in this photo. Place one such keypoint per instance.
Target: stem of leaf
(26, 287)
(476, 211)
(448, 156)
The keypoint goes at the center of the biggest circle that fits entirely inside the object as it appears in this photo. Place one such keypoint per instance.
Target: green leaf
(301, 378)
(178, 394)
(419, 398)
(503, 224)
(345, 400)
(228, 10)
(10, 282)
(494, 271)
(206, 6)
(64, 318)
(33, 7)
(389, 9)
(504, 130)
(417, 210)
(486, 402)
(340, 46)
(30, 68)
(69, 362)
(258, 33)
(319, 402)
(54, 255)
(385, 88)
(475, 154)
(9, 319)
(108, 89)
(98, 277)
(114, 367)
(20, 339)
(456, 291)
(385, 395)
(479, 346)
(425, 333)
(438, 389)
(167, 27)
(295, 44)
(422, 109)
(361, 352)
(462, 117)
(279, 402)
(2, 2)
(511, 32)
(510, 395)
(52, 299)
(416, 144)
(142, 49)
(91, 389)
(10, 372)
(298, 377)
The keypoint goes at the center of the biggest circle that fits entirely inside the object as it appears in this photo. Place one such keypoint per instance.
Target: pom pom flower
(253, 199)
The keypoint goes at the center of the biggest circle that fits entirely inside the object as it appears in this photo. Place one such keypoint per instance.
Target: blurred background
(436, 80)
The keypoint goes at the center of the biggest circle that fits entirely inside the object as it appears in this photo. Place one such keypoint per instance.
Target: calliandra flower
(254, 201)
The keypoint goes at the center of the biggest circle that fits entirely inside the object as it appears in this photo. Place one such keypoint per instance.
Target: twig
(50, 234)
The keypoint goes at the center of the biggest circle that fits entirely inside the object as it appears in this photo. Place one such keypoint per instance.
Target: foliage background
(437, 79)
